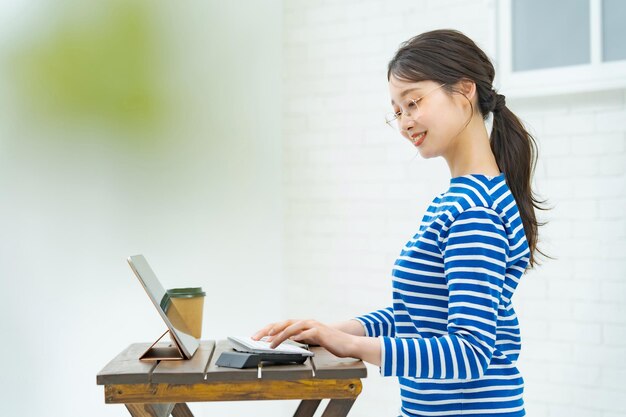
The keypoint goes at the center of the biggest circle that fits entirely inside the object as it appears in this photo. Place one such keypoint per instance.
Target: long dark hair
(447, 57)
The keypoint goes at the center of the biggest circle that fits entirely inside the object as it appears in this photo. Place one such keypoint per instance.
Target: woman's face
(439, 118)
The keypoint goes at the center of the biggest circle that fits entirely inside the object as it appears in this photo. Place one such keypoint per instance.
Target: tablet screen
(160, 299)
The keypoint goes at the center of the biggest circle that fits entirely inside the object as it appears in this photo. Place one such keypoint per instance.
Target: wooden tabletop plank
(126, 368)
(329, 366)
(287, 372)
(185, 371)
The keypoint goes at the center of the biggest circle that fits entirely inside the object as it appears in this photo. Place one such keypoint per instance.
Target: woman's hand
(335, 341)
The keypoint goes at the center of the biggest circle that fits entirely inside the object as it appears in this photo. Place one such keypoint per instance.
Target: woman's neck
(471, 153)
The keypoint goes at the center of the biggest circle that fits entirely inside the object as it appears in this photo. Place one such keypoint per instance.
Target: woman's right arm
(374, 324)
(353, 327)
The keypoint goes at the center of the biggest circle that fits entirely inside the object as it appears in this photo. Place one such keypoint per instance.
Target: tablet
(186, 343)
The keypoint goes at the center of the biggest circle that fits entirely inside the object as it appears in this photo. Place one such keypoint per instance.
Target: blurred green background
(126, 127)
(98, 65)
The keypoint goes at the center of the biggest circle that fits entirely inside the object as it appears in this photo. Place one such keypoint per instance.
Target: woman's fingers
(291, 330)
(263, 332)
(280, 331)
(277, 328)
(307, 336)
(272, 329)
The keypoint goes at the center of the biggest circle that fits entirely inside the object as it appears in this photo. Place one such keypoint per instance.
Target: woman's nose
(407, 123)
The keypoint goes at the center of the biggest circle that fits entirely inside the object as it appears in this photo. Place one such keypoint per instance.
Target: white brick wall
(355, 192)
(580, 310)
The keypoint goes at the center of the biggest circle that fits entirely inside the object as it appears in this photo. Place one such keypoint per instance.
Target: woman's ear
(468, 94)
(468, 88)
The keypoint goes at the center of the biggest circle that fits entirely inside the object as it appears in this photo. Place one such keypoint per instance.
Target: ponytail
(515, 151)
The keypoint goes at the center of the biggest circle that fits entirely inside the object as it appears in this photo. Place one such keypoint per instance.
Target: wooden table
(158, 389)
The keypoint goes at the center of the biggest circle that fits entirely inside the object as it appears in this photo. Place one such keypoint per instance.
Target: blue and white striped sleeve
(475, 252)
(378, 323)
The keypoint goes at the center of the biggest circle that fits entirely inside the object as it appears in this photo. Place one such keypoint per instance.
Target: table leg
(338, 408)
(149, 410)
(181, 410)
(307, 408)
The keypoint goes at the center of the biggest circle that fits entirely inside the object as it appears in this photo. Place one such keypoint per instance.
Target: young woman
(452, 335)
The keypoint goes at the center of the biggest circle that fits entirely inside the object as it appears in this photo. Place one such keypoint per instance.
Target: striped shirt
(452, 336)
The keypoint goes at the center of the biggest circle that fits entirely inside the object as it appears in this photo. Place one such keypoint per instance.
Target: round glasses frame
(393, 119)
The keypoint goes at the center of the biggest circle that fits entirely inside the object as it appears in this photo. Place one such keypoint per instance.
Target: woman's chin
(424, 153)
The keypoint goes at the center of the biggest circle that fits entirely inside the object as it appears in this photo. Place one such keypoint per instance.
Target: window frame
(595, 76)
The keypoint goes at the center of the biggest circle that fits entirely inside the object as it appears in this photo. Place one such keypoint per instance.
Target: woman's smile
(418, 138)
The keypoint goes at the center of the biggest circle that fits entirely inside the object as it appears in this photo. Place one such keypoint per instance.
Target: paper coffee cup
(185, 309)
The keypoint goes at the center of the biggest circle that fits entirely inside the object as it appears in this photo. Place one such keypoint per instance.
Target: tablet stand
(163, 353)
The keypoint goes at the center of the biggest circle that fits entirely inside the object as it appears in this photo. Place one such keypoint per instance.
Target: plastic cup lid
(186, 292)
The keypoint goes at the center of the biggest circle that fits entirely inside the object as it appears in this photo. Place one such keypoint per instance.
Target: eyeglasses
(393, 119)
